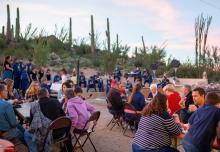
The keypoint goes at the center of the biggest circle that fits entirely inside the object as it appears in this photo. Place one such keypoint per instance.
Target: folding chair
(131, 116)
(86, 132)
(60, 123)
(116, 116)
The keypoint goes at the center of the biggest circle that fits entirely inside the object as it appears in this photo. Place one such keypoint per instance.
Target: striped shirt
(155, 131)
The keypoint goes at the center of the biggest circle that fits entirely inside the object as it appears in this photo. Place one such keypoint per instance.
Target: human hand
(192, 108)
(176, 118)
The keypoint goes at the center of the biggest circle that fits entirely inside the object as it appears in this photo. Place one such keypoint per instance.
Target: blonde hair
(169, 88)
(31, 91)
(9, 84)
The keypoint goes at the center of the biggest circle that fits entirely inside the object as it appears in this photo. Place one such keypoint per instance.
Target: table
(23, 112)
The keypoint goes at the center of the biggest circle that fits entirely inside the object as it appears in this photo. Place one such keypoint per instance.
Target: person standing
(17, 74)
(7, 68)
(24, 80)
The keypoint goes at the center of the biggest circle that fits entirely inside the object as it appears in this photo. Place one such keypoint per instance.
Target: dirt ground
(107, 140)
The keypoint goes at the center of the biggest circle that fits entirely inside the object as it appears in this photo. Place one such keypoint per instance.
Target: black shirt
(54, 111)
(7, 63)
(33, 75)
(40, 75)
(115, 99)
(188, 100)
(48, 76)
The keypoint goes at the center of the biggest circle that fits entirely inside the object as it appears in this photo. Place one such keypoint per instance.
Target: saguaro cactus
(117, 43)
(8, 33)
(92, 36)
(12, 32)
(70, 33)
(3, 30)
(144, 47)
(108, 35)
(17, 30)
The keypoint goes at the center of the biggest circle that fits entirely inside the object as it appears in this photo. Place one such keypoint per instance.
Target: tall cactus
(17, 30)
(117, 43)
(70, 33)
(3, 30)
(8, 32)
(108, 35)
(144, 47)
(12, 32)
(92, 36)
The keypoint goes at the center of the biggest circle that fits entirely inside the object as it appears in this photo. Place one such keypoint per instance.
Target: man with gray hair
(188, 100)
(9, 128)
(153, 91)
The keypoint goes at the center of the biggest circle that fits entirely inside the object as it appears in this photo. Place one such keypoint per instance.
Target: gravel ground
(107, 140)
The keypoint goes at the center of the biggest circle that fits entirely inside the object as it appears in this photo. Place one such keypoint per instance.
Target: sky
(167, 23)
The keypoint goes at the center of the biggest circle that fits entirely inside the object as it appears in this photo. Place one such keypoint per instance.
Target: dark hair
(67, 84)
(69, 93)
(64, 71)
(212, 98)
(137, 87)
(2, 87)
(78, 90)
(42, 93)
(156, 106)
(200, 90)
(7, 57)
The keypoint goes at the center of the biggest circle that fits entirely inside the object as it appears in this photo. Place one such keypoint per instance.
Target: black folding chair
(116, 116)
(86, 132)
(60, 123)
(132, 116)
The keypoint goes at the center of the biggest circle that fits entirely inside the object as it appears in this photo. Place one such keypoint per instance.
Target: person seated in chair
(188, 100)
(100, 84)
(9, 128)
(48, 115)
(78, 111)
(156, 128)
(82, 80)
(115, 104)
(153, 91)
(147, 77)
(108, 84)
(165, 81)
(91, 84)
(117, 74)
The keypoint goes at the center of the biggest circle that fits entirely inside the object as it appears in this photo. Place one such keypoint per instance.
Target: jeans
(136, 148)
(188, 147)
(30, 141)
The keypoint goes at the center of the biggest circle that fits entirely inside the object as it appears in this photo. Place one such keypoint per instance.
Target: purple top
(78, 111)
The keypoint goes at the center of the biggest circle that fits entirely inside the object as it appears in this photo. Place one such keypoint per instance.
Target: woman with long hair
(156, 127)
(7, 68)
(137, 98)
(32, 91)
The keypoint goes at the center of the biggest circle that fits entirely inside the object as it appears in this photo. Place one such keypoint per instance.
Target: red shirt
(173, 102)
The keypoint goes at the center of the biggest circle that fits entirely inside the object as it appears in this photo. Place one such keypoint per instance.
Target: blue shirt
(17, 70)
(203, 127)
(8, 120)
(138, 101)
(24, 74)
